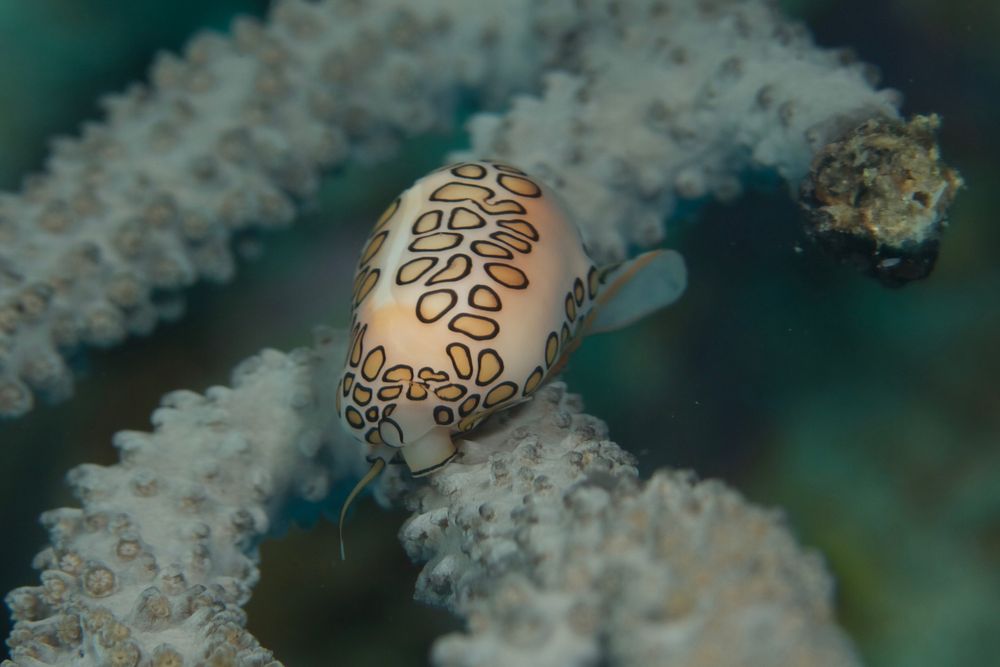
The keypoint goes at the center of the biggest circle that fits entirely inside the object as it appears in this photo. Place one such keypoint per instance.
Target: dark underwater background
(870, 415)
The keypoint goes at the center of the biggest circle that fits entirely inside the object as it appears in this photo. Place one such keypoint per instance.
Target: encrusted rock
(878, 198)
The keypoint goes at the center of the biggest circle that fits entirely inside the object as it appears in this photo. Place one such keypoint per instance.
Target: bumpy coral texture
(224, 139)
(543, 538)
(660, 101)
(155, 566)
(646, 102)
(540, 536)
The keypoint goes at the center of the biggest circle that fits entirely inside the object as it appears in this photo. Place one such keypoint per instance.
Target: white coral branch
(646, 102)
(540, 537)
(155, 566)
(222, 140)
(545, 541)
(676, 100)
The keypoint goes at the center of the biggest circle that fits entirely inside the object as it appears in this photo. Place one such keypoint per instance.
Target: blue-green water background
(871, 416)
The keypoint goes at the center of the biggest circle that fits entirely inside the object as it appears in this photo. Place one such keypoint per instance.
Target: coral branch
(653, 101)
(545, 541)
(666, 101)
(222, 140)
(155, 566)
(541, 537)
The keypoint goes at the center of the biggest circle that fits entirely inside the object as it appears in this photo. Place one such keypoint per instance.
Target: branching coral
(160, 558)
(657, 102)
(541, 536)
(647, 102)
(545, 541)
(221, 140)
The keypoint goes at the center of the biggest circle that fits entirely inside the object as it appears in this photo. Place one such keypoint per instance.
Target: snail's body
(472, 289)
(480, 284)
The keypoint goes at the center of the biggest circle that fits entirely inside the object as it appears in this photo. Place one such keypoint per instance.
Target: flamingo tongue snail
(471, 291)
